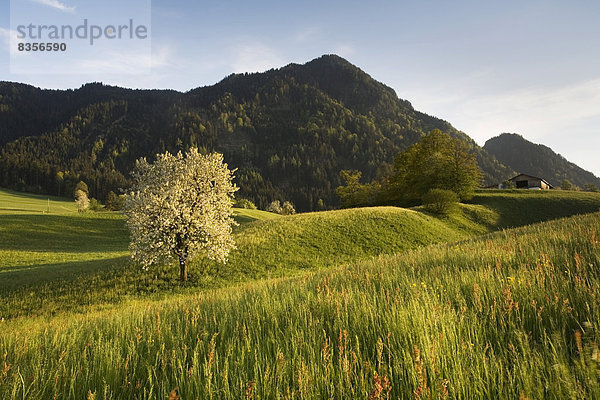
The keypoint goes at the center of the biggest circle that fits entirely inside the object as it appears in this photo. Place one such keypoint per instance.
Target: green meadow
(364, 303)
(63, 260)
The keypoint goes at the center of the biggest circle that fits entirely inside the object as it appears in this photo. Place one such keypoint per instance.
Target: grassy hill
(514, 314)
(522, 207)
(62, 260)
(46, 239)
(70, 261)
(50, 255)
(243, 215)
(283, 246)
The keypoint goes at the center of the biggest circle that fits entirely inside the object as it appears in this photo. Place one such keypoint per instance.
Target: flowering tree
(81, 200)
(180, 206)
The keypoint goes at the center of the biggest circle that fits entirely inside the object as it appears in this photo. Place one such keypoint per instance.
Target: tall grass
(515, 314)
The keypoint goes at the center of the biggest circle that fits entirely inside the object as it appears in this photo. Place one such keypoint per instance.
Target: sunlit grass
(515, 314)
(71, 261)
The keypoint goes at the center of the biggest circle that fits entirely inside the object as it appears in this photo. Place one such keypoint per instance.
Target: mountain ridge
(288, 131)
(538, 160)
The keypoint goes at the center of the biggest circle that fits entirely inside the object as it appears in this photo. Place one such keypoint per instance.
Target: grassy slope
(39, 246)
(521, 207)
(515, 313)
(53, 262)
(65, 260)
(12, 202)
(285, 245)
(243, 215)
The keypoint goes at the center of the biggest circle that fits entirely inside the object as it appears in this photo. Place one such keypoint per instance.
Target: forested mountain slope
(538, 160)
(289, 132)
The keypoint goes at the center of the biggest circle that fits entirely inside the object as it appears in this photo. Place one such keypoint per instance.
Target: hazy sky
(487, 67)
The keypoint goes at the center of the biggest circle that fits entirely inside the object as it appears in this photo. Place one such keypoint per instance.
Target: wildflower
(250, 389)
(174, 394)
(381, 384)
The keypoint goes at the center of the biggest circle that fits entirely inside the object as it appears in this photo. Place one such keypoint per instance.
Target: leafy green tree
(95, 205)
(111, 201)
(590, 187)
(353, 193)
(567, 185)
(436, 161)
(245, 203)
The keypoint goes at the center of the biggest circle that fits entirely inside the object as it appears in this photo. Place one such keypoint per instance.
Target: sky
(487, 67)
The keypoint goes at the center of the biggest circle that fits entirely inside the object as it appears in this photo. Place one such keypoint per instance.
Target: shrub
(440, 201)
(274, 207)
(508, 184)
(245, 203)
(567, 185)
(95, 205)
(288, 208)
(110, 203)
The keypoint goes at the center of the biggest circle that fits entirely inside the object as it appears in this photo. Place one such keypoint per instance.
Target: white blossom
(81, 200)
(180, 207)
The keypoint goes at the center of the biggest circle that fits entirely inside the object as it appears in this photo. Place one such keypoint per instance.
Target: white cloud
(557, 116)
(56, 4)
(255, 57)
(535, 111)
(127, 62)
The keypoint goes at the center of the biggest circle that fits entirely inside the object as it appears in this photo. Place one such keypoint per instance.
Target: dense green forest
(289, 132)
(538, 160)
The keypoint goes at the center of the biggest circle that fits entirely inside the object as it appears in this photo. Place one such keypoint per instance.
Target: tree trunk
(182, 269)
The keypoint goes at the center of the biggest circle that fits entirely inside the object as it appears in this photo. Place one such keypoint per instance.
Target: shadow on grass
(528, 208)
(62, 233)
(40, 274)
(14, 209)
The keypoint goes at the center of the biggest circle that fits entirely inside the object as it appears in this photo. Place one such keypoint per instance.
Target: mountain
(537, 160)
(288, 131)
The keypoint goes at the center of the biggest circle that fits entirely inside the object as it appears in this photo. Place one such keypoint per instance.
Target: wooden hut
(524, 181)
